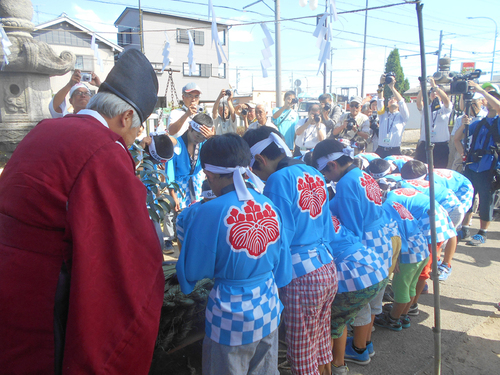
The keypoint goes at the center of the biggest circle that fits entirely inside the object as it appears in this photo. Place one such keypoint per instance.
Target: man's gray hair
(110, 105)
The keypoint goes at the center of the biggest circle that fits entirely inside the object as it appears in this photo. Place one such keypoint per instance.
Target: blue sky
(395, 27)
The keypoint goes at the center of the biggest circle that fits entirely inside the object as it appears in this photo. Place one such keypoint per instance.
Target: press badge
(387, 140)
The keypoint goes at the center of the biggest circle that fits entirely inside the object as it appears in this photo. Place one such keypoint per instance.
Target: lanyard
(389, 127)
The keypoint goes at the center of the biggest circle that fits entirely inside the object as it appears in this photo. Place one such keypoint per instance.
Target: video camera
(459, 84)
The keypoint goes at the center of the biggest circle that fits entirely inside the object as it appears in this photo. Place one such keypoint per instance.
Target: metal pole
(364, 54)
(279, 99)
(140, 27)
(432, 214)
(439, 49)
(324, 65)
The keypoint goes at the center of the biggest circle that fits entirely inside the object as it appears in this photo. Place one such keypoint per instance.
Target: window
(85, 63)
(222, 71)
(198, 37)
(125, 37)
(201, 70)
(222, 37)
(63, 37)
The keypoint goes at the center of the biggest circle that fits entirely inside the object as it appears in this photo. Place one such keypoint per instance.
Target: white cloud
(91, 20)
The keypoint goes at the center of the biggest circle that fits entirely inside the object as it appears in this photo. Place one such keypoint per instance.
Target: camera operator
(223, 113)
(439, 116)
(372, 142)
(285, 118)
(392, 120)
(482, 161)
(79, 94)
(247, 112)
(178, 121)
(353, 123)
(330, 113)
(310, 131)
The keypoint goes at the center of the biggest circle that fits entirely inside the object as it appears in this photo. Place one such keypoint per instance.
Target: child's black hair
(203, 119)
(378, 166)
(413, 169)
(329, 146)
(227, 150)
(358, 162)
(252, 136)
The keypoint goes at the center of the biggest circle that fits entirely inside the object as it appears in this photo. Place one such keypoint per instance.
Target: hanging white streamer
(324, 35)
(191, 63)
(166, 52)
(6, 43)
(215, 34)
(265, 63)
(97, 54)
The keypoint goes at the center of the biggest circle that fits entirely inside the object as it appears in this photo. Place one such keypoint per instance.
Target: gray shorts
(364, 317)
(256, 358)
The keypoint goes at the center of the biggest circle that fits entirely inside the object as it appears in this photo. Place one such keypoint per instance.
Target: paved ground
(469, 321)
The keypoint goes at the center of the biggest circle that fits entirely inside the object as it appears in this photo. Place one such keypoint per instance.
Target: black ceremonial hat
(134, 80)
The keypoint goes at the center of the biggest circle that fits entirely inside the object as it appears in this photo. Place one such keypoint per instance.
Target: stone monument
(25, 82)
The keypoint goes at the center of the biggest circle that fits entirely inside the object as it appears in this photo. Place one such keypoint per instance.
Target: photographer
(353, 123)
(482, 161)
(79, 94)
(247, 112)
(439, 116)
(392, 120)
(285, 118)
(310, 131)
(330, 113)
(223, 113)
(368, 110)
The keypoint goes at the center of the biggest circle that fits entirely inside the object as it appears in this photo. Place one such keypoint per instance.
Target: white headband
(152, 148)
(381, 174)
(195, 126)
(261, 145)
(208, 194)
(323, 161)
(239, 183)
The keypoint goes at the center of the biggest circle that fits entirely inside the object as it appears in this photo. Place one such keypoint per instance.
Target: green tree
(393, 64)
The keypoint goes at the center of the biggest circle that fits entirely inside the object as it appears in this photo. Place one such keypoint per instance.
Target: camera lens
(244, 112)
(317, 118)
(228, 92)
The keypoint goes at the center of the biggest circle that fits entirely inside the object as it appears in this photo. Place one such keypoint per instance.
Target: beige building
(65, 34)
(209, 75)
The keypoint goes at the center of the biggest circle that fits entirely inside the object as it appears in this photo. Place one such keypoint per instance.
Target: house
(65, 34)
(208, 75)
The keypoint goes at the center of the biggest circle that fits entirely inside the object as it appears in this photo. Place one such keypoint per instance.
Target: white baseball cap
(76, 87)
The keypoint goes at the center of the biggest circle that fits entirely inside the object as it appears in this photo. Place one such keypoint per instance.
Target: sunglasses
(355, 105)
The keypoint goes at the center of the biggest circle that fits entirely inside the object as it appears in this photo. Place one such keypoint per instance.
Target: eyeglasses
(82, 93)
(190, 96)
(355, 105)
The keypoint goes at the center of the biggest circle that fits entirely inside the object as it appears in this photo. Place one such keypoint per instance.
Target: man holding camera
(178, 121)
(482, 161)
(393, 120)
(285, 118)
(330, 113)
(247, 113)
(439, 116)
(223, 113)
(310, 131)
(79, 94)
(353, 123)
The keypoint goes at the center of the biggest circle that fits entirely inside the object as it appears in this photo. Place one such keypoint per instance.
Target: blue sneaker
(444, 272)
(369, 347)
(477, 240)
(353, 356)
(405, 321)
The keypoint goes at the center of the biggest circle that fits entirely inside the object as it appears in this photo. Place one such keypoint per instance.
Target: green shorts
(346, 306)
(404, 282)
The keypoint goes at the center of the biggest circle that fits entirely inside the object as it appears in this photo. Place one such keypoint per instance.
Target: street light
(494, 42)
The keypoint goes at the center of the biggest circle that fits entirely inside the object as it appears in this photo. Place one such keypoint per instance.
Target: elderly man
(353, 123)
(81, 282)
(261, 118)
(223, 113)
(392, 121)
(79, 95)
(440, 108)
(178, 121)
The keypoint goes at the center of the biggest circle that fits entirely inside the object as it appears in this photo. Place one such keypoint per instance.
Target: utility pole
(364, 54)
(237, 79)
(279, 99)
(140, 27)
(439, 50)
(331, 71)
(326, 36)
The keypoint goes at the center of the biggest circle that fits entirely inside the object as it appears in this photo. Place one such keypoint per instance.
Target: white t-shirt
(255, 124)
(175, 115)
(309, 138)
(223, 127)
(391, 125)
(62, 107)
(438, 122)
